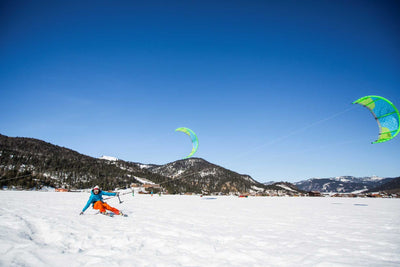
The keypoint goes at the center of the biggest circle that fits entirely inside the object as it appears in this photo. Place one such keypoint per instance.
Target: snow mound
(109, 158)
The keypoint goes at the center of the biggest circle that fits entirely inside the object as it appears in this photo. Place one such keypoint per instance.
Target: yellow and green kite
(192, 136)
(386, 114)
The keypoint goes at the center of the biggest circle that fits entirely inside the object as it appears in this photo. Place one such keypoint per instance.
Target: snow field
(45, 229)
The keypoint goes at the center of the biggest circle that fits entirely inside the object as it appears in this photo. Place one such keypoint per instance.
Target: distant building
(314, 194)
(146, 185)
(61, 190)
(151, 185)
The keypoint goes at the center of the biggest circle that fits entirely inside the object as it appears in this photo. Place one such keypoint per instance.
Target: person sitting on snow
(96, 199)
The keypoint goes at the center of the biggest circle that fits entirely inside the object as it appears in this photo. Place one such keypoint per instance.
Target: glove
(117, 193)
(81, 213)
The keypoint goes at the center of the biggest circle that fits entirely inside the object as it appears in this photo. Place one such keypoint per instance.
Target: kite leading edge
(386, 114)
(192, 136)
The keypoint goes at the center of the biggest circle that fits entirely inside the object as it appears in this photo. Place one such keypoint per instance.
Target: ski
(109, 214)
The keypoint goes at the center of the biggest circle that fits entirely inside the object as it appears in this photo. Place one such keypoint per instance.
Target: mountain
(393, 186)
(287, 186)
(204, 176)
(269, 183)
(342, 184)
(32, 163)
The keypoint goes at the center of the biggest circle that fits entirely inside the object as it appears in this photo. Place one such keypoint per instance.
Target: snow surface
(143, 180)
(109, 158)
(144, 166)
(45, 229)
(360, 191)
(286, 187)
(207, 172)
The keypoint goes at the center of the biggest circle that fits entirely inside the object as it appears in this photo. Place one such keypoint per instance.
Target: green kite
(192, 136)
(386, 114)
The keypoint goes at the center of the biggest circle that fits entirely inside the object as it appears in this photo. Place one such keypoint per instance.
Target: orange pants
(102, 206)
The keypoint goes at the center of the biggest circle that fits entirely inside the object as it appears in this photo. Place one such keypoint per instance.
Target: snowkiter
(96, 199)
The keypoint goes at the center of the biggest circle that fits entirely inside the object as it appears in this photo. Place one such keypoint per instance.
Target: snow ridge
(109, 158)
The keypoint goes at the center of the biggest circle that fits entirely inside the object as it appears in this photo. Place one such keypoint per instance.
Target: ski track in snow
(45, 229)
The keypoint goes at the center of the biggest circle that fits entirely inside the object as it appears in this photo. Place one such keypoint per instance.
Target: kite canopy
(386, 115)
(192, 136)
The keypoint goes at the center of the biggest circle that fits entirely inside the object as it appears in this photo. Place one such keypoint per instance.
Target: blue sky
(267, 86)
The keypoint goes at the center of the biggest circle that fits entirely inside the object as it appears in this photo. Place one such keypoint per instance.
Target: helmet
(96, 188)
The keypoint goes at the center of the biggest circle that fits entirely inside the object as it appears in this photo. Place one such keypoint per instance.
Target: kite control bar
(118, 196)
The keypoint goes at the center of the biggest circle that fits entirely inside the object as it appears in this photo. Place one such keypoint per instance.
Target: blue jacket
(94, 198)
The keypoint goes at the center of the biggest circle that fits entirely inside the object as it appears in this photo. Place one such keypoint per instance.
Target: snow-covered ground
(45, 229)
(109, 158)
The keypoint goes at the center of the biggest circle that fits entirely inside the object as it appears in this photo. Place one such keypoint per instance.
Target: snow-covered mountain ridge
(207, 177)
(342, 184)
(32, 163)
(109, 158)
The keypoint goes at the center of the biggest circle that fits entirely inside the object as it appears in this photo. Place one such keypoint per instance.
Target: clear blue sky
(267, 86)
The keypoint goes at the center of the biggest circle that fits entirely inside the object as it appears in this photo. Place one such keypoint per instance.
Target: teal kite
(192, 136)
(386, 114)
